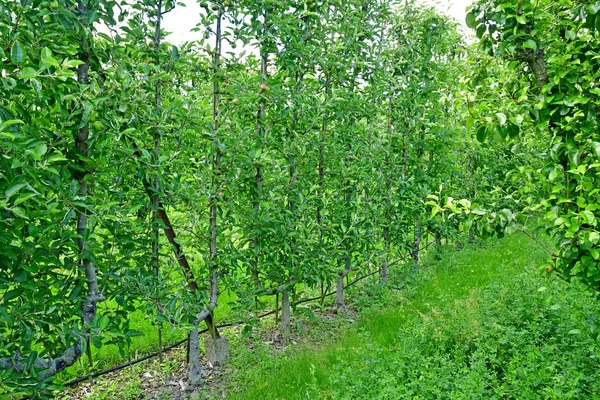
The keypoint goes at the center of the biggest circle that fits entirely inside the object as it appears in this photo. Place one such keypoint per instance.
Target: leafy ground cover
(484, 322)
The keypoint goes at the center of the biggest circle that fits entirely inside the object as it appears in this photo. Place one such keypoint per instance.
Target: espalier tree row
(141, 177)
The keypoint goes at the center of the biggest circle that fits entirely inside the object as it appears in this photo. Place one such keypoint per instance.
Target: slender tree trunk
(340, 303)
(386, 251)
(155, 196)
(321, 166)
(194, 367)
(277, 308)
(216, 181)
(81, 141)
(285, 314)
(388, 196)
(260, 135)
(417, 240)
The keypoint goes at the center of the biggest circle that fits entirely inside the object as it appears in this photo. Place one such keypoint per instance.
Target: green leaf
(574, 157)
(530, 44)
(28, 73)
(46, 53)
(56, 157)
(502, 118)
(103, 322)
(32, 267)
(480, 31)
(40, 149)
(10, 122)
(19, 212)
(30, 360)
(7, 135)
(481, 133)
(14, 189)
(513, 130)
(508, 214)
(596, 146)
(469, 123)
(555, 173)
(97, 342)
(12, 294)
(471, 21)
(72, 63)
(24, 197)
(17, 53)
(588, 217)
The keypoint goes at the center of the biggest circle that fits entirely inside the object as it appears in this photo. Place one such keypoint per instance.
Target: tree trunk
(260, 136)
(285, 314)
(340, 304)
(386, 252)
(417, 241)
(194, 369)
(81, 141)
(206, 314)
(155, 195)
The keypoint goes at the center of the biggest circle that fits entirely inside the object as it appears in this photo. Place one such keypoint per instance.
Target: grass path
(478, 323)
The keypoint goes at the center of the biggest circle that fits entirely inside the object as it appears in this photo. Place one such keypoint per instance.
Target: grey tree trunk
(285, 314)
(194, 369)
(417, 241)
(206, 314)
(386, 252)
(260, 137)
(340, 303)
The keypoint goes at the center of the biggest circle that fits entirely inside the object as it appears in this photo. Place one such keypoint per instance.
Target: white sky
(182, 19)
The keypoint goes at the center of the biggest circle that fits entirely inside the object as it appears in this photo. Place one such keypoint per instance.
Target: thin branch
(553, 254)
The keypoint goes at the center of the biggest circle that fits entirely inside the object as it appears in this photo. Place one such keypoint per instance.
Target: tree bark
(155, 195)
(260, 135)
(47, 368)
(417, 240)
(81, 142)
(285, 314)
(536, 63)
(340, 303)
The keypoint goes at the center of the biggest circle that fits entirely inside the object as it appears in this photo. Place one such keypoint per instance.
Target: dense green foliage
(546, 89)
(296, 143)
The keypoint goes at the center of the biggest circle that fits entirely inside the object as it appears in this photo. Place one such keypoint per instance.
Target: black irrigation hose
(129, 364)
(179, 343)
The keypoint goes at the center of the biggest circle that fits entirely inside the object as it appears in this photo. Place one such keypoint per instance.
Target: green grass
(108, 355)
(483, 322)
